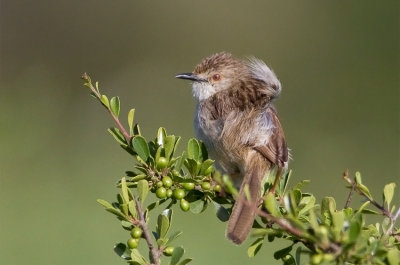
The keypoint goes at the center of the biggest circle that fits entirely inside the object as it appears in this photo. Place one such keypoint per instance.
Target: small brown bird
(238, 124)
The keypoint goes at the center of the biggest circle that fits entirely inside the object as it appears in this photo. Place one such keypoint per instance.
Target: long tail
(241, 220)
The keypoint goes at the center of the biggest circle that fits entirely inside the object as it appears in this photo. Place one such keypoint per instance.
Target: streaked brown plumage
(237, 122)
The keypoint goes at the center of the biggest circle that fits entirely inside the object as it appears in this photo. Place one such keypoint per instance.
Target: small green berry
(188, 185)
(175, 173)
(161, 193)
(184, 205)
(159, 184)
(179, 194)
(168, 251)
(167, 181)
(169, 193)
(133, 243)
(162, 162)
(206, 185)
(316, 259)
(217, 188)
(136, 232)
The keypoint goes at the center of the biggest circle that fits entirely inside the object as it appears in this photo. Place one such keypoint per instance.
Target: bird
(236, 120)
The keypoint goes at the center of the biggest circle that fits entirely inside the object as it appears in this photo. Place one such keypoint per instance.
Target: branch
(155, 254)
(97, 94)
(121, 127)
(285, 225)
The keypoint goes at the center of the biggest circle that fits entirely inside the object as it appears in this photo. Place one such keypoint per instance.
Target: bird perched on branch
(239, 125)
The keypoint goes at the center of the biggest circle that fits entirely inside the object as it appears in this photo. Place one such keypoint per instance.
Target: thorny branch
(155, 253)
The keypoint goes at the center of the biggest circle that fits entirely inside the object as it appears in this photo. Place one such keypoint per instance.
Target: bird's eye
(216, 77)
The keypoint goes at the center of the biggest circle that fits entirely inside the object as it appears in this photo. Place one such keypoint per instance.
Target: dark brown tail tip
(235, 239)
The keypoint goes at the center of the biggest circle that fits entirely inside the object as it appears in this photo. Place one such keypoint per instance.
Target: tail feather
(241, 220)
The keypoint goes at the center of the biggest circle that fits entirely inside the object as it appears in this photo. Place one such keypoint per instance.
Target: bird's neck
(243, 97)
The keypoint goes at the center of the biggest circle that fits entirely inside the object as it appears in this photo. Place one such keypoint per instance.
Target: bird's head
(222, 71)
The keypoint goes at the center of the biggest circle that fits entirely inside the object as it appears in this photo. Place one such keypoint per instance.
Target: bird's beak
(190, 76)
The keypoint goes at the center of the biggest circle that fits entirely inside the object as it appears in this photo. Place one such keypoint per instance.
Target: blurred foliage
(323, 233)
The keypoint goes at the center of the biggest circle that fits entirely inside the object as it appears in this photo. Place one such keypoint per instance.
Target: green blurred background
(338, 62)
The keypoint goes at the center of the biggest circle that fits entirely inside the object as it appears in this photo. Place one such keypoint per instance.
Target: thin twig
(88, 80)
(121, 127)
(281, 222)
(285, 225)
(349, 198)
(154, 252)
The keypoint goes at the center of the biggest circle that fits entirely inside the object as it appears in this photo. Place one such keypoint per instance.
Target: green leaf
(203, 151)
(105, 102)
(298, 255)
(142, 189)
(162, 225)
(388, 193)
(205, 166)
(141, 148)
(300, 185)
(122, 251)
(197, 206)
(126, 225)
(106, 204)
(354, 231)
(117, 212)
(136, 130)
(338, 220)
(169, 146)
(124, 190)
(162, 241)
(363, 206)
(137, 257)
(193, 149)
(179, 162)
(285, 181)
(176, 255)
(229, 187)
(283, 252)
(164, 222)
(138, 177)
(271, 205)
(262, 232)
(115, 106)
(185, 261)
(358, 178)
(328, 205)
(174, 236)
(222, 213)
(118, 136)
(161, 134)
(255, 247)
(131, 116)
(365, 190)
(291, 201)
(192, 166)
(393, 256)
(307, 204)
(132, 209)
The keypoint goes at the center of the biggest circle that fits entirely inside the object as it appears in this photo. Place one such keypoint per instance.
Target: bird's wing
(275, 150)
